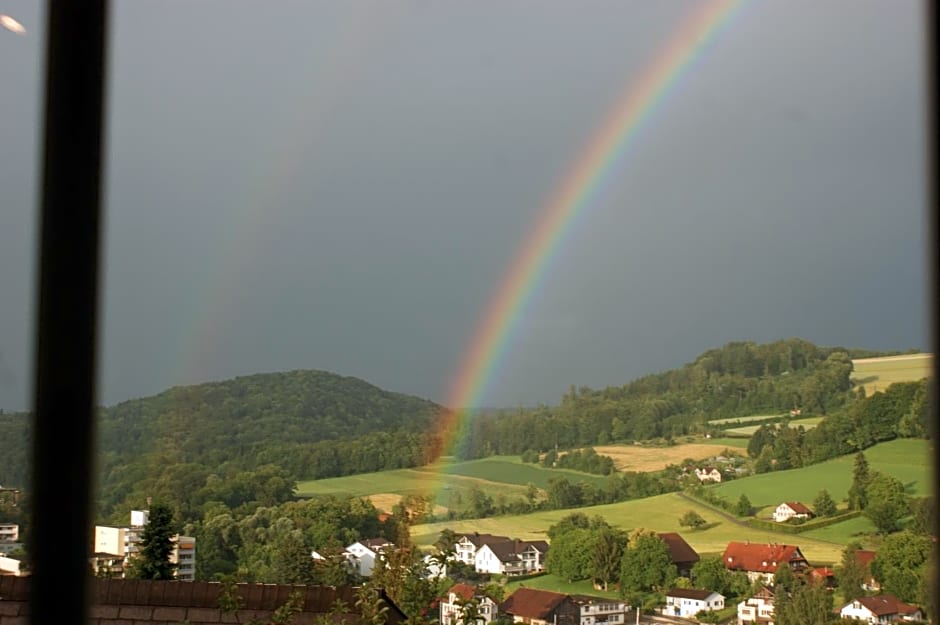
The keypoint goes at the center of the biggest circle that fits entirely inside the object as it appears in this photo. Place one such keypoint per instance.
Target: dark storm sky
(341, 185)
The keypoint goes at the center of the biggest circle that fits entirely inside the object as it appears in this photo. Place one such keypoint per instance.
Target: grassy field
(876, 374)
(644, 459)
(556, 584)
(906, 459)
(660, 513)
(747, 430)
(764, 417)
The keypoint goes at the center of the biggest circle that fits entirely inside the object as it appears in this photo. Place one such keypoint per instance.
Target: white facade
(687, 607)
(9, 532)
(364, 556)
(784, 513)
(451, 609)
(857, 610)
(123, 541)
(486, 561)
(10, 566)
(597, 611)
(756, 610)
(709, 474)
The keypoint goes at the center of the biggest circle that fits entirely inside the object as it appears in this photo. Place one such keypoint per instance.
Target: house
(543, 607)
(758, 608)
(823, 575)
(683, 556)
(9, 532)
(760, 561)
(465, 549)
(511, 557)
(364, 553)
(434, 567)
(451, 605)
(791, 510)
(864, 558)
(708, 474)
(884, 608)
(12, 566)
(687, 602)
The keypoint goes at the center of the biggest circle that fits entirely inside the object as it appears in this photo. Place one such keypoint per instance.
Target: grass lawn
(660, 513)
(853, 529)
(906, 459)
(556, 584)
(877, 374)
(747, 430)
(760, 417)
(511, 470)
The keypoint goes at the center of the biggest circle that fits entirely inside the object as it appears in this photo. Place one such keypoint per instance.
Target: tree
(886, 502)
(860, 478)
(692, 519)
(608, 554)
(647, 564)
(851, 574)
(743, 507)
(765, 460)
(784, 579)
(571, 555)
(901, 565)
(710, 574)
(156, 545)
(823, 505)
(807, 604)
(923, 516)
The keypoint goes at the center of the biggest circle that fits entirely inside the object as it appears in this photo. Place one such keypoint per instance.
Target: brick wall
(149, 602)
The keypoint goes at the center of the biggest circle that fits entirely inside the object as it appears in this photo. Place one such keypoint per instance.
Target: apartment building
(123, 542)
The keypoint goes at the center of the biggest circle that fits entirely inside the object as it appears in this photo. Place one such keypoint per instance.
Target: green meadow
(660, 513)
(906, 459)
(747, 430)
(503, 474)
(728, 420)
(877, 374)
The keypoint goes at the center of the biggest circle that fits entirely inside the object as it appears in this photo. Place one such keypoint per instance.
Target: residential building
(11, 566)
(9, 532)
(543, 607)
(864, 558)
(451, 606)
(791, 510)
(124, 540)
(365, 553)
(687, 602)
(885, 608)
(760, 561)
(823, 575)
(757, 609)
(465, 549)
(681, 552)
(511, 557)
(708, 474)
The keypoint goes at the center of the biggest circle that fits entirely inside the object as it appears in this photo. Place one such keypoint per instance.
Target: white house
(757, 609)
(791, 510)
(9, 532)
(884, 608)
(687, 602)
(465, 549)
(511, 557)
(598, 610)
(435, 568)
(11, 566)
(364, 553)
(452, 605)
(708, 474)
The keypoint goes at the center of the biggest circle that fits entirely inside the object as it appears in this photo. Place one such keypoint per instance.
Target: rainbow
(568, 202)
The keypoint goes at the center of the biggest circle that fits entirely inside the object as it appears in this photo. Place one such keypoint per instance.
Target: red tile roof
(886, 604)
(681, 551)
(532, 603)
(464, 591)
(864, 557)
(760, 558)
(799, 508)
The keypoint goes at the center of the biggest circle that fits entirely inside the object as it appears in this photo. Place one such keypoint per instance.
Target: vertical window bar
(66, 333)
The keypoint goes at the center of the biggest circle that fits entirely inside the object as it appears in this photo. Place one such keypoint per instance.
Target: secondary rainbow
(569, 202)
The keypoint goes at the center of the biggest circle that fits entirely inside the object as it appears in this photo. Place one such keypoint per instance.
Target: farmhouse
(363, 554)
(760, 561)
(884, 608)
(683, 556)
(687, 602)
(708, 474)
(791, 510)
(451, 605)
(757, 609)
(864, 558)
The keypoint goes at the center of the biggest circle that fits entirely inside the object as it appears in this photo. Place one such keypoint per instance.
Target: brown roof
(691, 593)
(681, 551)
(886, 604)
(376, 543)
(760, 558)
(532, 603)
(479, 539)
(139, 601)
(797, 507)
(864, 557)
(464, 591)
(509, 550)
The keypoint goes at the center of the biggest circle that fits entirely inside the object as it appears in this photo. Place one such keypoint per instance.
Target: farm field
(507, 475)
(645, 459)
(747, 430)
(877, 374)
(660, 513)
(906, 459)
